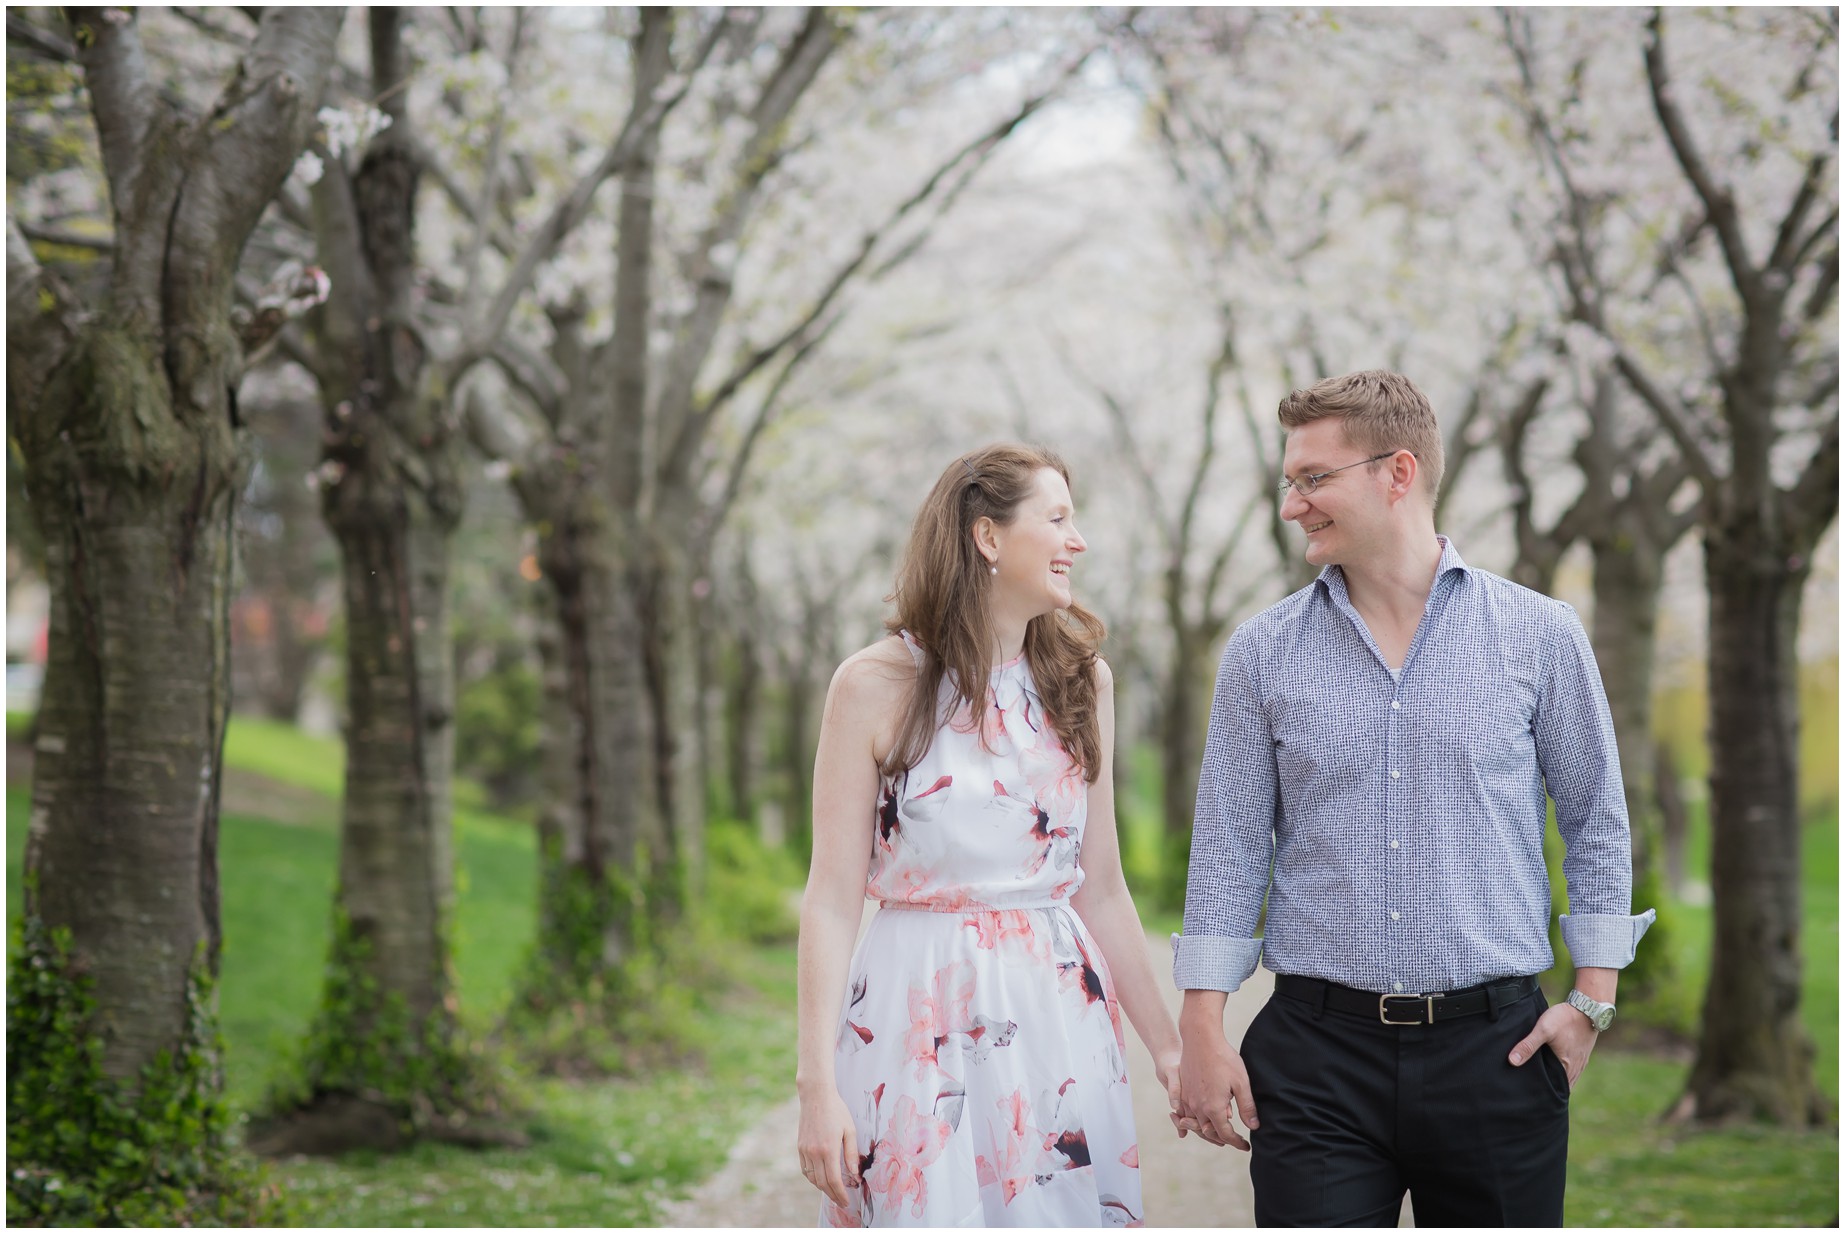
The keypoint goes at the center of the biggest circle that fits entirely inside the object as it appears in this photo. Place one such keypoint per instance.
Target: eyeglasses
(1305, 485)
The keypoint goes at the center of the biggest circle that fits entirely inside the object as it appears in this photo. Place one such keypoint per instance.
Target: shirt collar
(1333, 578)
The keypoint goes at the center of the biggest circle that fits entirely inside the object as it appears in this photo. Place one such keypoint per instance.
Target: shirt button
(1395, 774)
(1393, 844)
(1395, 706)
(1397, 986)
(1396, 916)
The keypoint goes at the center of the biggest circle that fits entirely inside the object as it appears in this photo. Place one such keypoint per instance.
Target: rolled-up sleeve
(1233, 832)
(1582, 771)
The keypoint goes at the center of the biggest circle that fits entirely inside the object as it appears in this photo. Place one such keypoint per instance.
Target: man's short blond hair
(1381, 411)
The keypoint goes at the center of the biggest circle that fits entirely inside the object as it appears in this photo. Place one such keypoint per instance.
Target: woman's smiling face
(1038, 548)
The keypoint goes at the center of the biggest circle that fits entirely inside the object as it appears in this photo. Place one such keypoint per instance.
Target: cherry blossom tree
(124, 409)
(1727, 189)
(629, 447)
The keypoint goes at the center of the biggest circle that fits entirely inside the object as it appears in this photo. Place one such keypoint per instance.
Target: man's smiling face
(1343, 515)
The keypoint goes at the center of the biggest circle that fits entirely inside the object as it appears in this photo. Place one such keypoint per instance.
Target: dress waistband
(968, 909)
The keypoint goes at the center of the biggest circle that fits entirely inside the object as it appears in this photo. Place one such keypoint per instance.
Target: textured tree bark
(1182, 724)
(602, 820)
(1754, 1056)
(1628, 574)
(134, 485)
(391, 495)
(130, 434)
(1754, 1059)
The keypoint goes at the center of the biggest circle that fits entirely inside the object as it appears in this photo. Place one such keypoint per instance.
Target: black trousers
(1355, 1112)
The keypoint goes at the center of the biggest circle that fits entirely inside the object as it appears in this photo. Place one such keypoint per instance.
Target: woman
(968, 1067)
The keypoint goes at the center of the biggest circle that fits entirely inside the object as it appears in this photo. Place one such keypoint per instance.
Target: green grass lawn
(603, 1153)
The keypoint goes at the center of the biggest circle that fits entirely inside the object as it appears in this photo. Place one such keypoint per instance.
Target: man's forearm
(1202, 1011)
(1598, 983)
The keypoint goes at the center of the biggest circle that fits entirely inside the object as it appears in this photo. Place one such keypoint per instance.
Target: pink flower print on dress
(994, 735)
(1010, 932)
(854, 1036)
(888, 820)
(1118, 1213)
(1013, 1166)
(937, 1013)
(989, 1035)
(1052, 840)
(911, 1143)
(1130, 1156)
(1064, 1134)
(927, 805)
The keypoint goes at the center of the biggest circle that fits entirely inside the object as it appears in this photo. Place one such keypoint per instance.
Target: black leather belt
(1406, 1009)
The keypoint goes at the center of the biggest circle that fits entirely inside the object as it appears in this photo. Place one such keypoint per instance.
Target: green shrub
(497, 731)
(82, 1149)
(752, 888)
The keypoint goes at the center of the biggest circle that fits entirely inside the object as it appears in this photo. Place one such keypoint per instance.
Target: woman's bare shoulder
(881, 673)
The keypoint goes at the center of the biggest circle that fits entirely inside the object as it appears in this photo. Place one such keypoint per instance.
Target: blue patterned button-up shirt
(1402, 813)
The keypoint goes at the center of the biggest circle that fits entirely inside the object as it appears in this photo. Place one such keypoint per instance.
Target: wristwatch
(1601, 1015)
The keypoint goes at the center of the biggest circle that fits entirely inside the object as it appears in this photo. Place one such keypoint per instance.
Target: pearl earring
(993, 569)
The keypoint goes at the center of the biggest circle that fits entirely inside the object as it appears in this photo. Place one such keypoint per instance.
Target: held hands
(1211, 1080)
(1569, 1034)
(828, 1145)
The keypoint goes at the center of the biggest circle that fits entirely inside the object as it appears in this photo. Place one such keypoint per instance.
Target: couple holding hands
(1381, 747)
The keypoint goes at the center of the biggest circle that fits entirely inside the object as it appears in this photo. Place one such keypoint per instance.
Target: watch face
(1602, 1018)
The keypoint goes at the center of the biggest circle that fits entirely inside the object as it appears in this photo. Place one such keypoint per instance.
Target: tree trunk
(603, 830)
(384, 1054)
(130, 436)
(1674, 821)
(743, 718)
(133, 484)
(1754, 1057)
(672, 680)
(1629, 572)
(797, 748)
(1181, 753)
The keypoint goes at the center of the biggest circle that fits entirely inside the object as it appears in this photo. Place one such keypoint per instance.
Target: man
(1382, 740)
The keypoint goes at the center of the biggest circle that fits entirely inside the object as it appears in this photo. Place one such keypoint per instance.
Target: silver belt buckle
(1425, 1012)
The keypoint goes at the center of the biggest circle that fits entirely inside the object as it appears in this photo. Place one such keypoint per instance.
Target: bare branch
(197, 19)
(490, 176)
(1716, 198)
(499, 430)
(1214, 576)
(1460, 446)
(1814, 501)
(571, 211)
(1785, 256)
(974, 155)
(43, 43)
(746, 449)
(42, 318)
(121, 96)
(1825, 291)
(68, 239)
(799, 64)
(1674, 418)
(532, 375)
(258, 127)
(1207, 450)
(1124, 434)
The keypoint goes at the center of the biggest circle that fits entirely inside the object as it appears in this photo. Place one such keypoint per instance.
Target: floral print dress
(980, 1047)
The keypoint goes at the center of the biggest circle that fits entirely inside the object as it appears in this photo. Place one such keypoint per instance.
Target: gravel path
(1184, 1182)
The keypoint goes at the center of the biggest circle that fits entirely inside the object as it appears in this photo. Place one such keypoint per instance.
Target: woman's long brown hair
(942, 593)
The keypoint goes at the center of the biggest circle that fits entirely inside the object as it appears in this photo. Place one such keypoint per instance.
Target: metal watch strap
(1600, 1014)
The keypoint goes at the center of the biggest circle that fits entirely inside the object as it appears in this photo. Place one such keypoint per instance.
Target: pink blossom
(912, 1141)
